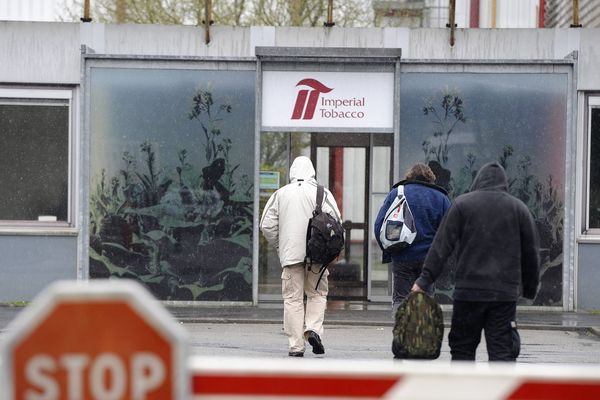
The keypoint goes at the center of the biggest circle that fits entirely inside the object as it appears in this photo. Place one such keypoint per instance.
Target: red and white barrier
(233, 378)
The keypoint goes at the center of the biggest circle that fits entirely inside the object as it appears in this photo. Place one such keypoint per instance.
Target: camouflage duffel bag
(419, 328)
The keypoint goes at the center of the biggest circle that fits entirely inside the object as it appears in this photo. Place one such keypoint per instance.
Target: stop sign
(99, 340)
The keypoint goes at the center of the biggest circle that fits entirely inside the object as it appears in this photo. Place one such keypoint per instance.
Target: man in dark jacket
(497, 247)
(428, 204)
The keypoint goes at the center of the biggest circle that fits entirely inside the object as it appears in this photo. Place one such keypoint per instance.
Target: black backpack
(324, 237)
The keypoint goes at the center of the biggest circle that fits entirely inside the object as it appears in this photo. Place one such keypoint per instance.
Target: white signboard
(328, 99)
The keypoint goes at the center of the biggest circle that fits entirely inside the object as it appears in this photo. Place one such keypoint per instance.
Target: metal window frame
(59, 96)
(588, 234)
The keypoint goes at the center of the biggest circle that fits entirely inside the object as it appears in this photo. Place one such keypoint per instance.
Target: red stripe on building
(323, 386)
(474, 20)
(556, 391)
(542, 14)
(336, 176)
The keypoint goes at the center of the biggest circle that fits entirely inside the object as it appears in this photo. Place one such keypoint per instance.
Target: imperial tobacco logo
(310, 101)
(307, 103)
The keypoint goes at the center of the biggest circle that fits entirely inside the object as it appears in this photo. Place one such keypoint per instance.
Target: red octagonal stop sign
(102, 340)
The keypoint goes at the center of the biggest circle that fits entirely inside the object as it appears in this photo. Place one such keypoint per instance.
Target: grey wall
(47, 52)
(588, 277)
(39, 52)
(29, 263)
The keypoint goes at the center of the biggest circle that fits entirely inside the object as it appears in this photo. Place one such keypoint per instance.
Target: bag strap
(322, 271)
(400, 190)
(308, 231)
(320, 194)
(399, 196)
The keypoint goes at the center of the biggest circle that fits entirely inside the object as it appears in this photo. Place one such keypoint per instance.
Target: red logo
(305, 109)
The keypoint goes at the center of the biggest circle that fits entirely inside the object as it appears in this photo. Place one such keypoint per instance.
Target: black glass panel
(34, 160)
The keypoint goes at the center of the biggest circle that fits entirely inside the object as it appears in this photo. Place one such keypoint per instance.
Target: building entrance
(344, 163)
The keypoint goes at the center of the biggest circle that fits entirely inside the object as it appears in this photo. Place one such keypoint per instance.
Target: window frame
(55, 96)
(592, 102)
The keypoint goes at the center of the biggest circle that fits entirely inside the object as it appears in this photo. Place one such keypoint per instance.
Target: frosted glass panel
(172, 181)
(458, 122)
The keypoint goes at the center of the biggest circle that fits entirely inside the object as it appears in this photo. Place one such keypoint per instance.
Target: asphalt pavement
(362, 330)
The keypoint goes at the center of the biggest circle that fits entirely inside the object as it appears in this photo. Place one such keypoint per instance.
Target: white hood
(302, 169)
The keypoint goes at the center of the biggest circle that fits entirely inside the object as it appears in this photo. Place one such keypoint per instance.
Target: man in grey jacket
(497, 248)
(284, 223)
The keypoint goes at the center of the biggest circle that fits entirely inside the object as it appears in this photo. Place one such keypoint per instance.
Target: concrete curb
(537, 327)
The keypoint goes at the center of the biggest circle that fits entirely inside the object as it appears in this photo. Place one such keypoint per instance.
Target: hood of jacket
(302, 169)
(490, 177)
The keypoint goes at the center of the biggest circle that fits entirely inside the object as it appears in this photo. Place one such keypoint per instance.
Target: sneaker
(296, 354)
(315, 341)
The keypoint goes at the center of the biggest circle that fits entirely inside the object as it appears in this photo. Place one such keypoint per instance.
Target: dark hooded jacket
(495, 239)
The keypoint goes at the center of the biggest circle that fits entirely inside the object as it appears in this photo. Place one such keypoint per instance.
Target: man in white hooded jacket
(284, 223)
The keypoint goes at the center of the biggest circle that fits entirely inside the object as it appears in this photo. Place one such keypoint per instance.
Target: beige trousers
(295, 282)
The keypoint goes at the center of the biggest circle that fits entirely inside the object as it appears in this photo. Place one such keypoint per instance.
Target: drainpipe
(329, 22)
(86, 12)
(575, 23)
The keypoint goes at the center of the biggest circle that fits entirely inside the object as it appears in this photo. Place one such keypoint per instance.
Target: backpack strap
(322, 272)
(316, 211)
(320, 195)
(306, 259)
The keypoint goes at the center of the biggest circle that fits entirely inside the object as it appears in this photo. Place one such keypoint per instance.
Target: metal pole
(452, 16)
(207, 20)
(86, 12)
(120, 11)
(575, 23)
(329, 22)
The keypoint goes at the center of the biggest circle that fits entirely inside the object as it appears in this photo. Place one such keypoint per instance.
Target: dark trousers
(495, 318)
(404, 276)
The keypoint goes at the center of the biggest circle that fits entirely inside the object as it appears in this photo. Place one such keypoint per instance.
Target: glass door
(344, 163)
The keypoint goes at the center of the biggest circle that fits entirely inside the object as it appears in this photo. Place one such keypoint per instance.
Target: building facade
(141, 152)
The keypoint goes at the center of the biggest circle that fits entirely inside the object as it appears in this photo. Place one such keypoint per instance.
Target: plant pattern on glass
(185, 230)
(542, 197)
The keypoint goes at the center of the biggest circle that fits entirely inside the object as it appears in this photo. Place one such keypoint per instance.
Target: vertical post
(86, 12)
(207, 20)
(542, 14)
(451, 16)
(474, 14)
(120, 11)
(329, 22)
(575, 23)
(493, 13)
